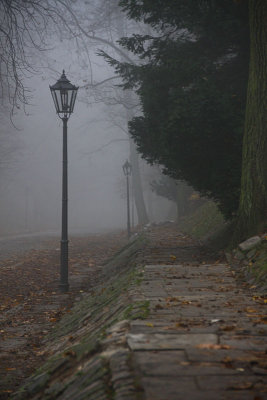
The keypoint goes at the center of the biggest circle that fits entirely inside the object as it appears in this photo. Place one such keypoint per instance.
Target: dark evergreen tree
(191, 77)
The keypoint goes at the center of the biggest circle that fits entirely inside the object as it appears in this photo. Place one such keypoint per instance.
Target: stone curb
(245, 261)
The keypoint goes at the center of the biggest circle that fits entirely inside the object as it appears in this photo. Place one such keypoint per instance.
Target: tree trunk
(182, 200)
(137, 186)
(252, 215)
(137, 182)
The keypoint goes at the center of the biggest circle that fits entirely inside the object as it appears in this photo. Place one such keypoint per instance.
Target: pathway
(205, 337)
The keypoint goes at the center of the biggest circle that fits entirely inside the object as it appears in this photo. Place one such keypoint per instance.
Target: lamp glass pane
(54, 96)
(64, 101)
(72, 100)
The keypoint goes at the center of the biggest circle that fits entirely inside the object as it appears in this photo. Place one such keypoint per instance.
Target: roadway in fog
(14, 245)
(19, 244)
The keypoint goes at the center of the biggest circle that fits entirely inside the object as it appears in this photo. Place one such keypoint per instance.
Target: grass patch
(258, 265)
(204, 222)
(137, 310)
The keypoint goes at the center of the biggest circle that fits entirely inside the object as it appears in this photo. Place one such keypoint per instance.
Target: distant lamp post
(127, 169)
(64, 96)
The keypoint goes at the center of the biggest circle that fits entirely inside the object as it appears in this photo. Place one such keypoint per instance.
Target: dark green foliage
(191, 79)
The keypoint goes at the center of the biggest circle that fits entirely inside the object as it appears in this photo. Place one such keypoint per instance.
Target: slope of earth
(30, 301)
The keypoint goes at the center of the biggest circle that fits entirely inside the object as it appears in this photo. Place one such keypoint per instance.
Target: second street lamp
(64, 96)
(127, 169)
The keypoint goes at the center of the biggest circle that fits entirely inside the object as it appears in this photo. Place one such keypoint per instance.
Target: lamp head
(127, 168)
(64, 96)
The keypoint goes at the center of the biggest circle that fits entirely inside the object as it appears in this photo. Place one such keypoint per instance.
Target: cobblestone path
(205, 337)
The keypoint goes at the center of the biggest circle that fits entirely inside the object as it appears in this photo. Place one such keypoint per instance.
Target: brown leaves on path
(212, 346)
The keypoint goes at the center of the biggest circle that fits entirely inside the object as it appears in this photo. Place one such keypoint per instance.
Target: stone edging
(247, 264)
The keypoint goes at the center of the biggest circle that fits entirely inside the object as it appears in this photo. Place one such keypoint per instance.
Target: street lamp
(127, 169)
(64, 96)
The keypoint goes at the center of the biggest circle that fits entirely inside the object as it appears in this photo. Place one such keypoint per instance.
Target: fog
(31, 179)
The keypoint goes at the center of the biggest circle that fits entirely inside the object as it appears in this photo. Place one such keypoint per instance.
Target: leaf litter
(31, 304)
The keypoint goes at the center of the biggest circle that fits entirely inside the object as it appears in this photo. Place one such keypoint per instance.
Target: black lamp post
(64, 96)
(127, 169)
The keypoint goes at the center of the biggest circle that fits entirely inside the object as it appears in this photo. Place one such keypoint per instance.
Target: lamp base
(64, 287)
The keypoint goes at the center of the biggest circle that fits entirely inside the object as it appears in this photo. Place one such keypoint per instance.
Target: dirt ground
(30, 301)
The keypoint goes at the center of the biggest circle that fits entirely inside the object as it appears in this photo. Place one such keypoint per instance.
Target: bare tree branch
(105, 145)
(92, 36)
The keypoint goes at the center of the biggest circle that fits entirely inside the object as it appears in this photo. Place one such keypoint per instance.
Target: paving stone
(210, 314)
(219, 355)
(245, 342)
(169, 327)
(238, 395)
(173, 389)
(168, 341)
(149, 358)
(185, 388)
(240, 383)
(170, 364)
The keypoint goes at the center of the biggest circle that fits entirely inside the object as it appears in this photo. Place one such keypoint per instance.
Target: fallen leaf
(251, 310)
(70, 353)
(228, 328)
(213, 346)
(181, 324)
(171, 299)
(177, 325)
(150, 324)
(227, 360)
(40, 353)
(241, 386)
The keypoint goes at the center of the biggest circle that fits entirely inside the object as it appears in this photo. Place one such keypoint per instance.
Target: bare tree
(97, 27)
(23, 29)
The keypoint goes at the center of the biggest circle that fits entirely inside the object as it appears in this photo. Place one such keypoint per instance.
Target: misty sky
(31, 182)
